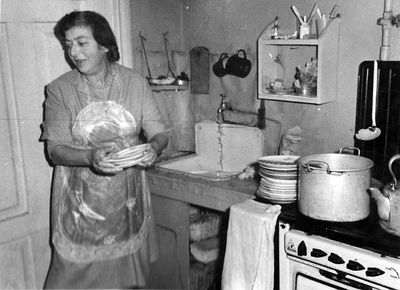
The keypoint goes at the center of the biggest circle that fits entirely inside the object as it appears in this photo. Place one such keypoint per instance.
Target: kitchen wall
(152, 19)
(229, 25)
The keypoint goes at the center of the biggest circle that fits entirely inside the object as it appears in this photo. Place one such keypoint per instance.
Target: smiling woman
(102, 227)
(87, 40)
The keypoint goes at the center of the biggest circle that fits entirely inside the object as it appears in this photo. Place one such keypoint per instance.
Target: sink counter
(173, 194)
(217, 195)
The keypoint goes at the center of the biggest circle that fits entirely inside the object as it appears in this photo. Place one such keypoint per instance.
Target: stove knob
(373, 272)
(335, 259)
(355, 266)
(302, 249)
(317, 253)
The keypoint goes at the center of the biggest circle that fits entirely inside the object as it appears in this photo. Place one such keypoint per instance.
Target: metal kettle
(388, 202)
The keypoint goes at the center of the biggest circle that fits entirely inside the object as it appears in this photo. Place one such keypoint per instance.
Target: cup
(219, 66)
(321, 25)
(238, 65)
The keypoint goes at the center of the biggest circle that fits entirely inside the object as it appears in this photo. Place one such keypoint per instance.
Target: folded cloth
(249, 255)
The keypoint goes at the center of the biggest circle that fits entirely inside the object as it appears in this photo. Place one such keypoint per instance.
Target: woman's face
(87, 55)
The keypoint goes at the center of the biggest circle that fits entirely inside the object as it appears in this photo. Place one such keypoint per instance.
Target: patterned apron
(98, 217)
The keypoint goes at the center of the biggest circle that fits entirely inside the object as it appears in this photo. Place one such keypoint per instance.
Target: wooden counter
(217, 195)
(172, 196)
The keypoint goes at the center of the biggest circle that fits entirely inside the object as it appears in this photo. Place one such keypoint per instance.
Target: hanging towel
(249, 256)
(199, 70)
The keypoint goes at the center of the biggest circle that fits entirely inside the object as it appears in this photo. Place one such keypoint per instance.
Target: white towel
(249, 256)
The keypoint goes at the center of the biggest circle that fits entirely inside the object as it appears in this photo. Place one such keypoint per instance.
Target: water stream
(220, 168)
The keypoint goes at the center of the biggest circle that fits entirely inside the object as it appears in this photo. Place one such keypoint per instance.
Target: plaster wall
(152, 19)
(229, 25)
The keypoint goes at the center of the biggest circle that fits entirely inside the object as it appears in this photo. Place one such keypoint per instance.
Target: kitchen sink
(194, 165)
(222, 151)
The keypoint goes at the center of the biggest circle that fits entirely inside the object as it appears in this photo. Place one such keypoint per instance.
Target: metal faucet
(227, 105)
(224, 105)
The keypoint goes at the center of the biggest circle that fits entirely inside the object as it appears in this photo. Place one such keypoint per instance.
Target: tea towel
(249, 256)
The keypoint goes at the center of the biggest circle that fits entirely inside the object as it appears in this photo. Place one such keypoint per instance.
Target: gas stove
(328, 255)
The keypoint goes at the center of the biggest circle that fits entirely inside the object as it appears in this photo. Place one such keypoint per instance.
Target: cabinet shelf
(278, 59)
(290, 98)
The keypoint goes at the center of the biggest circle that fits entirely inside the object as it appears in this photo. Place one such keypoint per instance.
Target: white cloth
(249, 256)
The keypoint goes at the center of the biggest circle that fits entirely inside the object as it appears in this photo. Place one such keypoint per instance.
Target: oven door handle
(341, 278)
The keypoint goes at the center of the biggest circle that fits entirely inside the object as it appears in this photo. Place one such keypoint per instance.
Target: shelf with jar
(283, 62)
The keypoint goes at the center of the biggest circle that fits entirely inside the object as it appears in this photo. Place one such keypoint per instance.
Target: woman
(102, 230)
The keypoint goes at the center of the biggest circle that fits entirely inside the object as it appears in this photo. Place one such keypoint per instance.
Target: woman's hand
(155, 146)
(65, 155)
(101, 164)
(150, 157)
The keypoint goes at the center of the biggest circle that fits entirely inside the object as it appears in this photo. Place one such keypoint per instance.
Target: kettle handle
(394, 158)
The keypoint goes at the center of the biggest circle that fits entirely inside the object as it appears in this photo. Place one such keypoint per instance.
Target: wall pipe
(386, 22)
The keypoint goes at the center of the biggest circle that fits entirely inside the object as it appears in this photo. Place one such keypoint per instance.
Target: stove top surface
(366, 234)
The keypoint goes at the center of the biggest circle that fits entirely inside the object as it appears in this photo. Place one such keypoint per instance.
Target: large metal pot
(333, 187)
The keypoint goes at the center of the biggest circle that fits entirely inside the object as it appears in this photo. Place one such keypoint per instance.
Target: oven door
(306, 276)
(307, 282)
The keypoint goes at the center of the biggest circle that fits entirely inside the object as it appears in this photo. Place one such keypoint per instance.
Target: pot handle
(316, 164)
(223, 56)
(243, 52)
(394, 158)
(350, 148)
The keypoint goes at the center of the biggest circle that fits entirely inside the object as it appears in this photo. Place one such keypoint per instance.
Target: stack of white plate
(278, 178)
(130, 156)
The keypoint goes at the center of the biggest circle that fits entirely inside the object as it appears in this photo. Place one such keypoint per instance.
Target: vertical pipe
(385, 48)
(388, 5)
(386, 30)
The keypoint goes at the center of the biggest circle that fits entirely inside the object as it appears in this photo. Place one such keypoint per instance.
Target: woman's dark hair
(101, 30)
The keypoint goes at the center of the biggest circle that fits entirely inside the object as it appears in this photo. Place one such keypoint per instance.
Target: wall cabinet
(278, 59)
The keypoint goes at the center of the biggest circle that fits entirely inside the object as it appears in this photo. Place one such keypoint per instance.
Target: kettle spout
(382, 203)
